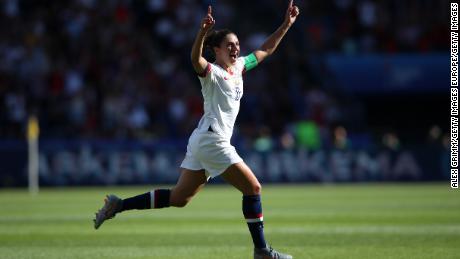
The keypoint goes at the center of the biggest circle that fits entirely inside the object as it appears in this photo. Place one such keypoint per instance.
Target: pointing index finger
(290, 3)
(210, 9)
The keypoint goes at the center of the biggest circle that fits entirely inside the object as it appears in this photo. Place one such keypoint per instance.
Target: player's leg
(241, 177)
(190, 182)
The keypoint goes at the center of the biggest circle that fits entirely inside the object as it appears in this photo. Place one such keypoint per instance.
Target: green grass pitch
(307, 221)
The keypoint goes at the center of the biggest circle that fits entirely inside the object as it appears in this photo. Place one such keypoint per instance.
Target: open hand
(208, 22)
(291, 13)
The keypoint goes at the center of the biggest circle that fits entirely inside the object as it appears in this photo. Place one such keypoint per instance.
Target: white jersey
(209, 145)
(222, 92)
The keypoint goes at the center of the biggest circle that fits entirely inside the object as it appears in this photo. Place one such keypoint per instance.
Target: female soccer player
(209, 152)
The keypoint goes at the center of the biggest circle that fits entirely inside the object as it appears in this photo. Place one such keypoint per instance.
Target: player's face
(229, 50)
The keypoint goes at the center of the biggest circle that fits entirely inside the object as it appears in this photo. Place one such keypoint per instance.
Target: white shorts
(209, 151)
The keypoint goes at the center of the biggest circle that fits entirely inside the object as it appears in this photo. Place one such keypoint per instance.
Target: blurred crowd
(121, 69)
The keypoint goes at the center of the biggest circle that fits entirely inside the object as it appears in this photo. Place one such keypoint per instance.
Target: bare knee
(179, 200)
(254, 189)
(180, 203)
(257, 189)
(189, 184)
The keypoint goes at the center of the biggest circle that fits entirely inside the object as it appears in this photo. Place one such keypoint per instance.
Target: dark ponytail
(214, 39)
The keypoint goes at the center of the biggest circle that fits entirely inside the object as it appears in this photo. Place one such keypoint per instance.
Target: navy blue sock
(150, 200)
(252, 210)
(139, 202)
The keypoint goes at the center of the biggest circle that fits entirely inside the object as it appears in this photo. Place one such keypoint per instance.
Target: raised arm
(198, 62)
(271, 43)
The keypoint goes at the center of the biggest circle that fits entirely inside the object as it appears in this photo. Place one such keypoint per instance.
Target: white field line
(453, 229)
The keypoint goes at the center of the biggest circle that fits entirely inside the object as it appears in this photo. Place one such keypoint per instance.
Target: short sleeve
(206, 71)
(207, 77)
